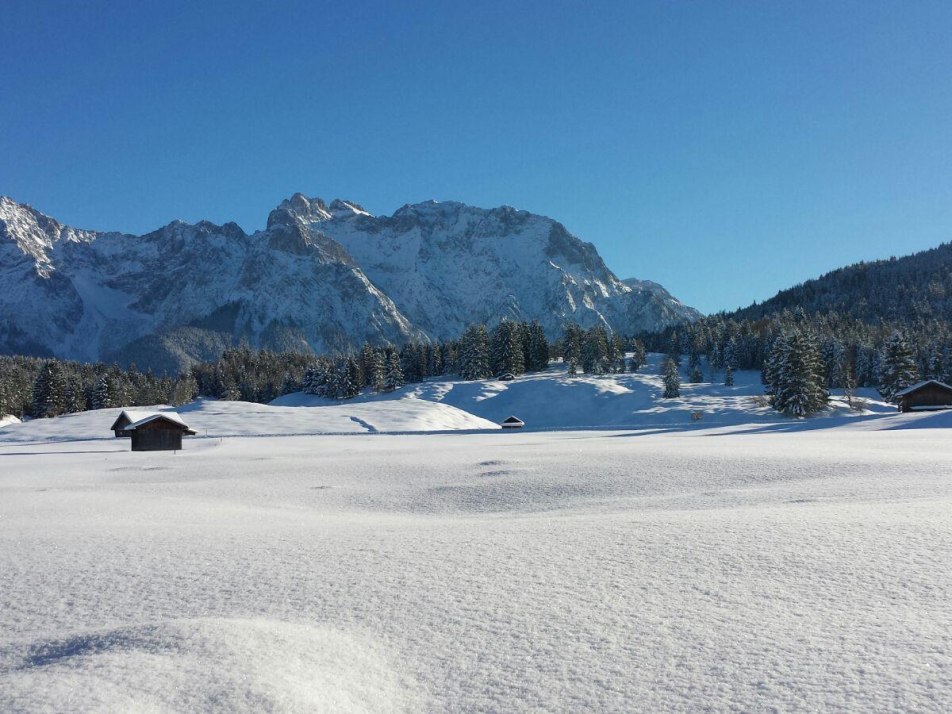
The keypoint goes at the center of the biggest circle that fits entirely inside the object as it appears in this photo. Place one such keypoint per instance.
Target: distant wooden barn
(512, 423)
(159, 432)
(925, 396)
(125, 418)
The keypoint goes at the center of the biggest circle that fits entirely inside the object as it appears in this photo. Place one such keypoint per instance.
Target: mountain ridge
(321, 277)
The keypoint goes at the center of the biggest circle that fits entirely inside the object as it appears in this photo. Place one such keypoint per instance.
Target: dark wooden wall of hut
(157, 436)
(931, 395)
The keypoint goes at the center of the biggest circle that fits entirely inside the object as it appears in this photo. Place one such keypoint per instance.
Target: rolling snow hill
(319, 277)
(550, 400)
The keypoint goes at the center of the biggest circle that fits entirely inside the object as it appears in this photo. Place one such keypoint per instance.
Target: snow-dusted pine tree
(638, 355)
(572, 344)
(377, 372)
(315, 378)
(801, 381)
(505, 349)
(770, 375)
(49, 390)
(595, 351)
(474, 353)
(538, 349)
(671, 378)
(393, 374)
(897, 366)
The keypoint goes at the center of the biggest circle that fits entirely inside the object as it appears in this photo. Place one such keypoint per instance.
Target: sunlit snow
(750, 563)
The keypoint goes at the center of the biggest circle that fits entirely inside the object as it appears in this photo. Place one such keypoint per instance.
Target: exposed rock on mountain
(322, 277)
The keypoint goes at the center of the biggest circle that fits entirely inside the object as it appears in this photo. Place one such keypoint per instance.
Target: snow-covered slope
(295, 414)
(321, 277)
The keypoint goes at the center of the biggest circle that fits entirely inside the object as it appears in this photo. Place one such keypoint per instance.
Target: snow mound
(555, 400)
(208, 665)
(7, 419)
(293, 415)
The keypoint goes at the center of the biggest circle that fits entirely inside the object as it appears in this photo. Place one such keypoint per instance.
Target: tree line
(800, 357)
(39, 387)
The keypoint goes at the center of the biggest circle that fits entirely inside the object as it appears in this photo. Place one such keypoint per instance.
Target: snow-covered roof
(513, 420)
(132, 416)
(168, 416)
(919, 385)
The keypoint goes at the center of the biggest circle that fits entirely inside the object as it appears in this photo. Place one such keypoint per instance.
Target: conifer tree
(538, 349)
(506, 354)
(393, 374)
(474, 353)
(800, 382)
(729, 354)
(49, 390)
(377, 374)
(451, 358)
(185, 390)
(595, 351)
(572, 344)
(849, 385)
(638, 355)
(352, 384)
(728, 376)
(671, 378)
(6, 403)
(75, 396)
(770, 375)
(897, 366)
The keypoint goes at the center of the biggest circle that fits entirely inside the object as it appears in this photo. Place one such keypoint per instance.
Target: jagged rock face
(654, 306)
(202, 287)
(324, 277)
(447, 265)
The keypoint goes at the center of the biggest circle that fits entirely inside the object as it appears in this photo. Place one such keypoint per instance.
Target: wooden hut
(925, 396)
(512, 423)
(126, 417)
(159, 432)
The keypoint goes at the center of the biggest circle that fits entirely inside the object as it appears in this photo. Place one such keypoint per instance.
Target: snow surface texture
(319, 277)
(720, 569)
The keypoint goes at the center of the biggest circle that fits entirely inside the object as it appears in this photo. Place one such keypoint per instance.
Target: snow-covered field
(740, 565)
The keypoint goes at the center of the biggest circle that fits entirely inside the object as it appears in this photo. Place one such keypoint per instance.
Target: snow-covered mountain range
(322, 277)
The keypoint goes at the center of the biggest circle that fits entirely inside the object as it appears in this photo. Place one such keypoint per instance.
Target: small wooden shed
(925, 396)
(126, 417)
(159, 432)
(512, 423)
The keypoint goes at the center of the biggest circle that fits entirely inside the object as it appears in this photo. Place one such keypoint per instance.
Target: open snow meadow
(402, 553)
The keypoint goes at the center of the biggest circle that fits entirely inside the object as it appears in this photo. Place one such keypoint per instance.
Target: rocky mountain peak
(324, 276)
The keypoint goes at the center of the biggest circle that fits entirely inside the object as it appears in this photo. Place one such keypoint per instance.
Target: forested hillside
(910, 289)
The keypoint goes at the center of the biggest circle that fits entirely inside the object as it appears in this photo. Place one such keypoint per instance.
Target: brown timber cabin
(925, 396)
(159, 432)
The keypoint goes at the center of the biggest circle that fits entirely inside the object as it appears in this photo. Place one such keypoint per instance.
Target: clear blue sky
(725, 149)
